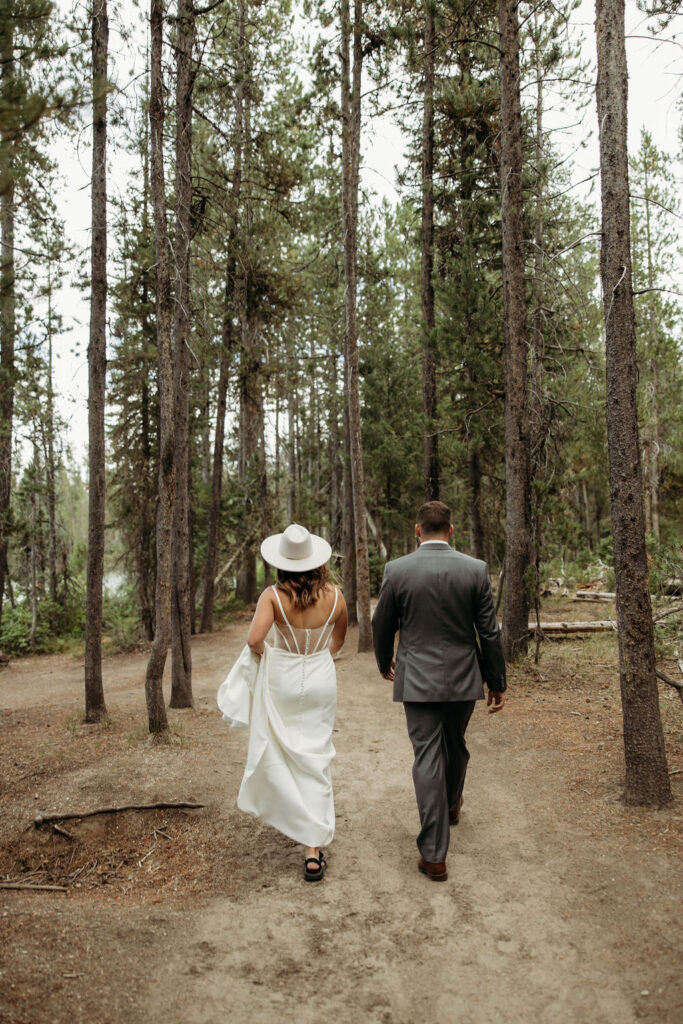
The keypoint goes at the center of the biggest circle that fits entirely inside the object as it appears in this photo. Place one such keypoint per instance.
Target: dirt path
(547, 916)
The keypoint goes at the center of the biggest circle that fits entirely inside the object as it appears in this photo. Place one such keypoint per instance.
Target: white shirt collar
(424, 543)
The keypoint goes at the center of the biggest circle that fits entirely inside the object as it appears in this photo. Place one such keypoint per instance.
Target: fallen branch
(671, 682)
(594, 595)
(36, 888)
(42, 819)
(605, 626)
(62, 832)
(231, 561)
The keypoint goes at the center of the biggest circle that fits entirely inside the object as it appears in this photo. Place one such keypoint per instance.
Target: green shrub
(121, 619)
(15, 632)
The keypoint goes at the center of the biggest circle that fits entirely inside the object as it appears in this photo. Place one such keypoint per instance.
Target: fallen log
(604, 626)
(42, 819)
(594, 595)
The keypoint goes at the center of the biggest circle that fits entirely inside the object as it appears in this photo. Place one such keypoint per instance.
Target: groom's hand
(390, 674)
(495, 702)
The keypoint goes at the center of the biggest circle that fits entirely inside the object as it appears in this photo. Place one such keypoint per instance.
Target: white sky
(655, 77)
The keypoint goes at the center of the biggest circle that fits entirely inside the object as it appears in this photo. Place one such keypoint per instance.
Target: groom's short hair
(434, 517)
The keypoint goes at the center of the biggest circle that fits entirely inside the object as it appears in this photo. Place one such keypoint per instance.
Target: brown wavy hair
(304, 588)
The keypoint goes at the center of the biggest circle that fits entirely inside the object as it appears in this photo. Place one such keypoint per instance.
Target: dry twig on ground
(42, 819)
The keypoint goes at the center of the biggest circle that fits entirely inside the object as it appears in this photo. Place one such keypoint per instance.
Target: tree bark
(251, 412)
(33, 559)
(348, 530)
(334, 460)
(351, 112)
(431, 449)
(654, 450)
(653, 465)
(250, 388)
(206, 621)
(647, 779)
(227, 344)
(517, 461)
(156, 711)
(7, 301)
(97, 366)
(292, 502)
(474, 503)
(50, 472)
(586, 513)
(145, 559)
(181, 684)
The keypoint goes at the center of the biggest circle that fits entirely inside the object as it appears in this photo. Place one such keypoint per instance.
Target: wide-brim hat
(295, 550)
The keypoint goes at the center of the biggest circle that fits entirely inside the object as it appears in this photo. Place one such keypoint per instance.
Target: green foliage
(665, 563)
(15, 632)
(121, 630)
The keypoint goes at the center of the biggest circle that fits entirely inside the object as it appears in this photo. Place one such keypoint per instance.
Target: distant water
(114, 582)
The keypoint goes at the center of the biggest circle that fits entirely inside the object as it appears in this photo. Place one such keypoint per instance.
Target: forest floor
(562, 904)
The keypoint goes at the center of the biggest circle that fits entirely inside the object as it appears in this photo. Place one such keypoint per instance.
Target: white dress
(287, 781)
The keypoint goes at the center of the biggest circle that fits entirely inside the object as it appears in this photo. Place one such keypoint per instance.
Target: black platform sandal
(316, 873)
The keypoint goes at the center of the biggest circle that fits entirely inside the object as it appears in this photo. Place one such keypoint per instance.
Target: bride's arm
(340, 626)
(264, 616)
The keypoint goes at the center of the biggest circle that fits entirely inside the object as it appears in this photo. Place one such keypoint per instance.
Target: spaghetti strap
(334, 608)
(287, 622)
(329, 619)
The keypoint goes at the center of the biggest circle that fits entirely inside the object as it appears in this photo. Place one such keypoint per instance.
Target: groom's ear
(450, 530)
(417, 530)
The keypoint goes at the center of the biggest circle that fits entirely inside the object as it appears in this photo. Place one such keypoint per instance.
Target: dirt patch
(557, 892)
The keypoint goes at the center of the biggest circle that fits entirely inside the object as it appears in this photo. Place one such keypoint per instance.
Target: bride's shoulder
(335, 595)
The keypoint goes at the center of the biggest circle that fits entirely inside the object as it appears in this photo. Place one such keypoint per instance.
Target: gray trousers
(437, 732)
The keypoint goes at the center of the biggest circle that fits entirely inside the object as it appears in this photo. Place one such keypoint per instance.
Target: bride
(287, 781)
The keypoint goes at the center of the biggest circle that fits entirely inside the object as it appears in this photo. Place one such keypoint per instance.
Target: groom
(441, 602)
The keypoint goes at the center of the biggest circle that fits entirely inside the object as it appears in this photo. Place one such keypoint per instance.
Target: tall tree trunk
(647, 491)
(431, 450)
(206, 621)
(351, 99)
(586, 513)
(647, 779)
(334, 459)
(33, 557)
(474, 503)
(598, 516)
(653, 465)
(251, 411)
(227, 345)
(156, 710)
(350, 586)
(292, 503)
(97, 367)
(517, 466)
(251, 399)
(538, 428)
(146, 561)
(654, 450)
(181, 685)
(264, 503)
(50, 472)
(7, 298)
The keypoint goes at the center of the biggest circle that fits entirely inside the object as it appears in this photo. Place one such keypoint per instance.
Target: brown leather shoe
(436, 872)
(454, 813)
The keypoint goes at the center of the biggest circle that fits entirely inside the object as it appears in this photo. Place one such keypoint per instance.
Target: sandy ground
(561, 905)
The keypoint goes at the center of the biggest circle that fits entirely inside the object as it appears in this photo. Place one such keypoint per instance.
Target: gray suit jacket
(441, 601)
